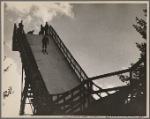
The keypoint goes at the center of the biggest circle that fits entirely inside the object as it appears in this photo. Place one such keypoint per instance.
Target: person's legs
(42, 46)
(46, 31)
(45, 47)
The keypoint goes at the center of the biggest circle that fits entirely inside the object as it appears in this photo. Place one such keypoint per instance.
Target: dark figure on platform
(42, 30)
(46, 28)
(31, 32)
(45, 41)
(21, 27)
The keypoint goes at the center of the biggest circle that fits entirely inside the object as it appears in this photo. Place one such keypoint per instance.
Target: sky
(100, 36)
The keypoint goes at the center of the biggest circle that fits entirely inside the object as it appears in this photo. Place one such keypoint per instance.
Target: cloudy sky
(100, 36)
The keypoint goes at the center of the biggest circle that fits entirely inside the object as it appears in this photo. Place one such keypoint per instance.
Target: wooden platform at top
(56, 72)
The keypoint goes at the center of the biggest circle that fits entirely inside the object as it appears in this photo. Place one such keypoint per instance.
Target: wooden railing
(79, 98)
(74, 100)
(73, 63)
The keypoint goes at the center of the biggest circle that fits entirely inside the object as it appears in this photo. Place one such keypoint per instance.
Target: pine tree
(137, 94)
(141, 27)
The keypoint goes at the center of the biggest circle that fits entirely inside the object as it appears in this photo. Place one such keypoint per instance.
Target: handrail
(97, 78)
(90, 89)
(109, 74)
(109, 89)
(93, 78)
(118, 72)
(73, 63)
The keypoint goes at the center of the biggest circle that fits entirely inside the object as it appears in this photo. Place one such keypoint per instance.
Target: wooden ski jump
(55, 83)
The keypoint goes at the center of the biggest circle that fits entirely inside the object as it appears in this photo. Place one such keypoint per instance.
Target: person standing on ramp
(45, 42)
(46, 28)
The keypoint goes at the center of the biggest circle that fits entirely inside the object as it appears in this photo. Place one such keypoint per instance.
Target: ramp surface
(56, 72)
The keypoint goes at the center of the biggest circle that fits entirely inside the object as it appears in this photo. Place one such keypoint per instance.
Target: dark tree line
(137, 93)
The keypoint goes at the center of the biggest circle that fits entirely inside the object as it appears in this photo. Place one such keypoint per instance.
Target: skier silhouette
(45, 41)
(42, 30)
(21, 27)
(46, 28)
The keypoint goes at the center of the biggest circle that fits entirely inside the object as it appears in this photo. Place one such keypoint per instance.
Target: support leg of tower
(24, 96)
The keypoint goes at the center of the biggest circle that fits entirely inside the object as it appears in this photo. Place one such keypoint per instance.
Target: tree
(137, 93)
(141, 27)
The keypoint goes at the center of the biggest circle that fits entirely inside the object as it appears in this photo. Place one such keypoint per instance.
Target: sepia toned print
(75, 59)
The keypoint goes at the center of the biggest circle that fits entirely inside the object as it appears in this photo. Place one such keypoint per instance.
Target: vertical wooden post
(80, 99)
(83, 99)
(89, 90)
(24, 96)
(131, 80)
(64, 103)
(22, 81)
(14, 39)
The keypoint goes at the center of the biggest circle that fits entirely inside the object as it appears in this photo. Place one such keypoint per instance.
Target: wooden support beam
(22, 81)
(23, 98)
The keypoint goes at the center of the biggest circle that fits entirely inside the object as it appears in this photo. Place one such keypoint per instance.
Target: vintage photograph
(75, 59)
